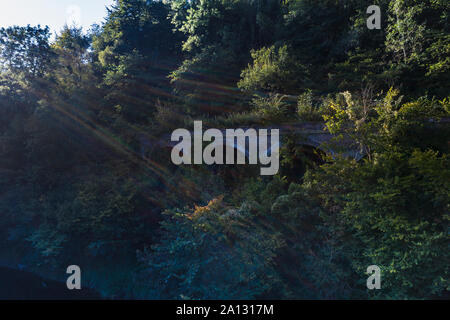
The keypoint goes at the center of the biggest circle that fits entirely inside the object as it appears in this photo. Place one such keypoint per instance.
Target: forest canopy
(85, 176)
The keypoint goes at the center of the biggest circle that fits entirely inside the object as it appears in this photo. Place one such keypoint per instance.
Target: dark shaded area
(22, 285)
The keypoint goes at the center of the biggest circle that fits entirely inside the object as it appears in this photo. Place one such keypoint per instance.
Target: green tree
(387, 210)
(210, 253)
(25, 49)
(405, 35)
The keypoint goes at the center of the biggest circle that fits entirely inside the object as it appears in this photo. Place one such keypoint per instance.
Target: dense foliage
(85, 176)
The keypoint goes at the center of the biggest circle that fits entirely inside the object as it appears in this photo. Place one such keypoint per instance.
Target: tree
(210, 253)
(136, 49)
(25, 49)
(72, 57)
(387, 210)
(274, 70)
(220, 35)
(405, 35)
